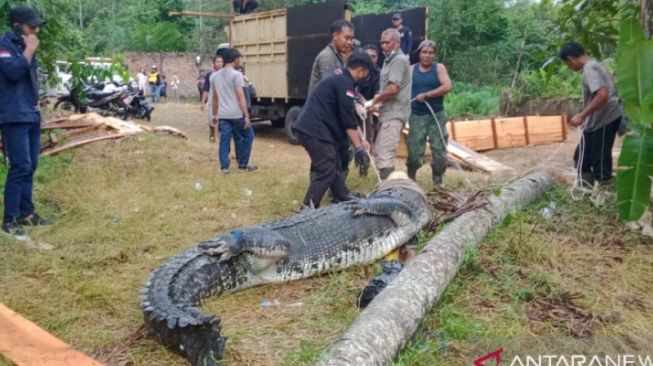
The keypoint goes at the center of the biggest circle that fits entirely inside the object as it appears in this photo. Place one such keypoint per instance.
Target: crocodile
(306, 244)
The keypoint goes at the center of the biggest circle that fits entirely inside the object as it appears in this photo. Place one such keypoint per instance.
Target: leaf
(635, 168)
(635, 73)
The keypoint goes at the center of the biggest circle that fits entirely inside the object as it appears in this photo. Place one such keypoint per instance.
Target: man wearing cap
(20, 118)
(394, 99)
(404, 32)
(427, 119)
(328, 125)
(334, 55)
(230, 112)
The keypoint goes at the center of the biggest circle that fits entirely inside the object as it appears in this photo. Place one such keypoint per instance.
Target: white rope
(444, 143)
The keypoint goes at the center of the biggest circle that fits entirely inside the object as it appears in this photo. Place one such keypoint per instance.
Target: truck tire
(291, 117)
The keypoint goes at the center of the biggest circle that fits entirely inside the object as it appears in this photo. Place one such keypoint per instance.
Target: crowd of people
(354, 111)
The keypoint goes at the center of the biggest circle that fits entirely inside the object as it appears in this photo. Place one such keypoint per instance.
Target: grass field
(121, 208)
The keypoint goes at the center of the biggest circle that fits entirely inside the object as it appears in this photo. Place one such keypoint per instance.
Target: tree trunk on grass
(389, 321)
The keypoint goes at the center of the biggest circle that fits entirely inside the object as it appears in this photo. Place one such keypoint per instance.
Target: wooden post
(563, 121)
(453, 130)
(495, 138)
(528, 139)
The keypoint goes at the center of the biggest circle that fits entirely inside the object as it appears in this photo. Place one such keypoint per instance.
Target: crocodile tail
(201, 343)
(169, 301)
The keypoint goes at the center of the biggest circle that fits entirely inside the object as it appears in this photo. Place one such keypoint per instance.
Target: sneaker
(247, 168)
(225, 171)
(13, 228)
(33, 220)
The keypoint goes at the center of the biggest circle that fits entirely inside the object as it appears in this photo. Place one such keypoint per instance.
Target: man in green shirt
(334, 55)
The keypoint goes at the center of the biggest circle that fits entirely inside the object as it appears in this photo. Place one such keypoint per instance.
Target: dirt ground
(271, 143)
(123, 207)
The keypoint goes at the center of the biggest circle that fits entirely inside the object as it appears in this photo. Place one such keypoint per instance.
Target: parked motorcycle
(108, 99)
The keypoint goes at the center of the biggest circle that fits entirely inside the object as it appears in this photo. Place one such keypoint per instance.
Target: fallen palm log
(389, 321)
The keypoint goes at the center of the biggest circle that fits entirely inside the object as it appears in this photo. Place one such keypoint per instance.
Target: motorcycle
(108, 99)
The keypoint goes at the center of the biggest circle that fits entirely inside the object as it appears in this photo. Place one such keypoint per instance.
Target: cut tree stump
(389, 321)
(24, 343)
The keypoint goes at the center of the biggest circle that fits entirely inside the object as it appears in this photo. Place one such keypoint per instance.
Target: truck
(278, 48)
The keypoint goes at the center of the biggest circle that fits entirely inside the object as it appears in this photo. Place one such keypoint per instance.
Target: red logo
(496, 355)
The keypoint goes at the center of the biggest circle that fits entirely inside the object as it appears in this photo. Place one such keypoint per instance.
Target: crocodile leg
(400, 212)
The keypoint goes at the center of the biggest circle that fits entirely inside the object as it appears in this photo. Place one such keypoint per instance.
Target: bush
(471, 101)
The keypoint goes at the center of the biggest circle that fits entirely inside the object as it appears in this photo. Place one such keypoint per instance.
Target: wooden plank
(477, 135)
(78, 143)
(563, 120)
(495, 139)
(528, 140)
(510, 132)
(24, 343)
(475, 159)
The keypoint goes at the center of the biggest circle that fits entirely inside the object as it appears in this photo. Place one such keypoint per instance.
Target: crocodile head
(399, 179)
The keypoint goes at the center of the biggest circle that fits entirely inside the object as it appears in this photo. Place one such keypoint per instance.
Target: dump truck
(279, 47)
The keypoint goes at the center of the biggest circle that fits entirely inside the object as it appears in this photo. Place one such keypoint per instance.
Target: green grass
(121, 208)
(527, 257)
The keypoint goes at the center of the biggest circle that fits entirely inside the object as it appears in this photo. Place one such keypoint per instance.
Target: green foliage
(635, 84)
(594, 24)
(539, 84)
(157, 37)
(469, 100)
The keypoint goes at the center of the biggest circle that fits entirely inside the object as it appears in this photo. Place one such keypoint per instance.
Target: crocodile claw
(360, 208)
(223, 248)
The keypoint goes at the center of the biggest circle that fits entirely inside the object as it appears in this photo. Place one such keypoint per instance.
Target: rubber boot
(385, 172)
(412, 173)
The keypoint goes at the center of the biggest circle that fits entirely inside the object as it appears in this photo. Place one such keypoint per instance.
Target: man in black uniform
(326, 127)
(20, 118)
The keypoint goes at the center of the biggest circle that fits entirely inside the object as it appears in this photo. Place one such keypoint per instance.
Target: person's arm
(355, 137)
(444, 88)
(390, 91)
(214, 109)
(15, 66)
(242, 102)
(599, 99)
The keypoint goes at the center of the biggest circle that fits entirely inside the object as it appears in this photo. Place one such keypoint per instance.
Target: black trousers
(244, 7)
(597, 156)
(326, 171)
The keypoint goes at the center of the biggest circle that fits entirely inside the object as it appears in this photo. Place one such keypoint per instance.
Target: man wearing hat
(230, 112)
(20, 118)
(431, 82)
(404, 32)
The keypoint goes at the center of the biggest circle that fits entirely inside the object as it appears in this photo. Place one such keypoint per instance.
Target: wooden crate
(502, 132)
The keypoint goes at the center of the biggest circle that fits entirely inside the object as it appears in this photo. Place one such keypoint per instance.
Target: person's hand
(421, 97)
(214, 121)
(31, 42)
(362, 159)
(577, 120)
(248, 123)
(201, 106)
(366, 145)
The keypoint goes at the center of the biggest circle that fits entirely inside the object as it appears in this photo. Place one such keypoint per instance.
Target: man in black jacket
(327, 126)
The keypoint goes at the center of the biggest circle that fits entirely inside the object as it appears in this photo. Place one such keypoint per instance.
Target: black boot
(385, 172)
